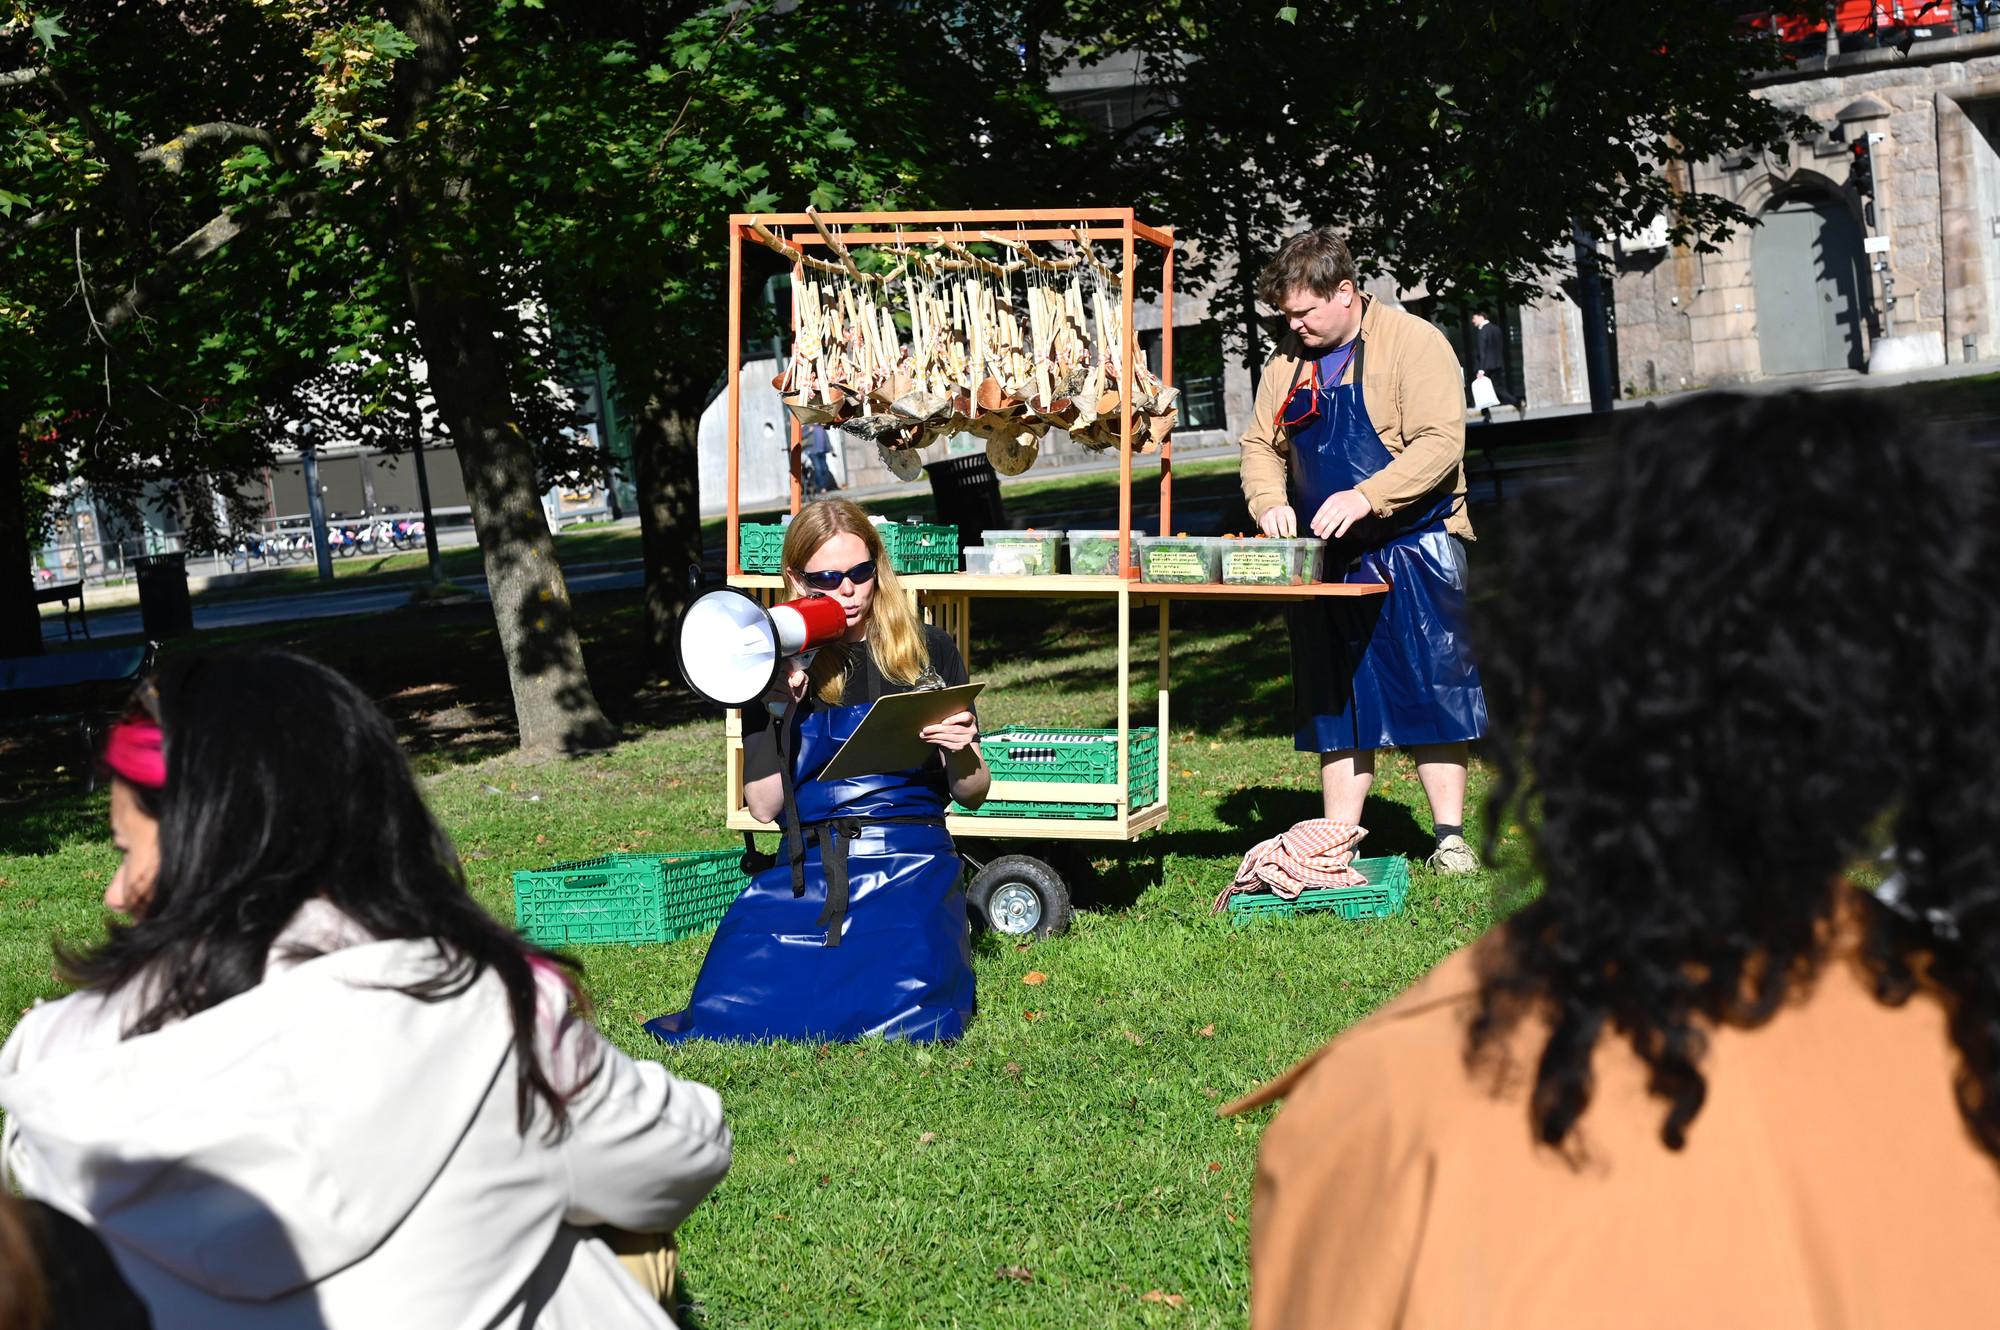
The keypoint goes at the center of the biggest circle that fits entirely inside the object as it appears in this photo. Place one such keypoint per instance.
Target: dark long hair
(284, 782)
(1762, 639)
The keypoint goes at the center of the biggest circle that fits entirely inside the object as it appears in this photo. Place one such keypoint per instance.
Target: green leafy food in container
(1176, 560)
(1093, 553)
(1260, 563)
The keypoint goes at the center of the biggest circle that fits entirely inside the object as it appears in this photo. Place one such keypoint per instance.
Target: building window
(1197, 371)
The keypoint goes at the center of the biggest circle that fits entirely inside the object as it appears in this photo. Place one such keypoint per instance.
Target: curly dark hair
(1759, 641)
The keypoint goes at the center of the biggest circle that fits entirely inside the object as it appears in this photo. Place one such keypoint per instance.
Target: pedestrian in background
(817, 446)
(1489, 362)
(1703, 1078)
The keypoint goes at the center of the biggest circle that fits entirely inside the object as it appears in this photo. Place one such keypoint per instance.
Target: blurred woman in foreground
(1702, 1079)
(312, 1083)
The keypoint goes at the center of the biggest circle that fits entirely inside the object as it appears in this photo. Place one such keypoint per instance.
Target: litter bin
(164, 607)
(965, 490)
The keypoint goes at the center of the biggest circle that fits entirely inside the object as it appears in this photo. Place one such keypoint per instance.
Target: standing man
(1363, 407)
(1489, 361)
(818, 445)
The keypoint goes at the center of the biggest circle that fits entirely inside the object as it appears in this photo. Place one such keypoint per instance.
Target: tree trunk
(666, 461)
(553, 702)
(20, 616)
(451, 301)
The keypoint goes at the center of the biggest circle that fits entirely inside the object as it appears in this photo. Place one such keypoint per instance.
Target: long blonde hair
(895, 638)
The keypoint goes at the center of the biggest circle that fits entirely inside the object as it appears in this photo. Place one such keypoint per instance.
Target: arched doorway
(1810, 273)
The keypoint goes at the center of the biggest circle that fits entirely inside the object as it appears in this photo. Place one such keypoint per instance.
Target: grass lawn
(1056, 1166)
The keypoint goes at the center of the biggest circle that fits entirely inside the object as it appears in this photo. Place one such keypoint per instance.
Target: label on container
(1255, 566)
(1189, 565)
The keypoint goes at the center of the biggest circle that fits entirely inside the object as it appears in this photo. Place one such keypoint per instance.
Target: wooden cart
(1015, 893)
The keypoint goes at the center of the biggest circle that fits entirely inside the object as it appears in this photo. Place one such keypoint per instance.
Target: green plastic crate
(1090, 757)
(1388, 887)
(919, 548)
(760, 547)
(912, 547)
(628, 897)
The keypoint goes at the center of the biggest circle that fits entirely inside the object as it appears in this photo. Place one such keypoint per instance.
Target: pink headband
(133, 751)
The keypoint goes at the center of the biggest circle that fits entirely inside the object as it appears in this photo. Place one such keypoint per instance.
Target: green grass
(1072, 1133)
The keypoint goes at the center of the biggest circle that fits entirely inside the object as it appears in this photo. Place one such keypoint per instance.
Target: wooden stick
(846, 259)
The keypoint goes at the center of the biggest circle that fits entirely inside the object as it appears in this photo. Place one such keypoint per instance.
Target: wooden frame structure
(945, 599)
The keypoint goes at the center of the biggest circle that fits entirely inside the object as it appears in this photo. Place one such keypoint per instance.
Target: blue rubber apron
(894, 959)
(1376, 671)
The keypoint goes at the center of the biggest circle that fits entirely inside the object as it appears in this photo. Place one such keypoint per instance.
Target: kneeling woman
(797, 957)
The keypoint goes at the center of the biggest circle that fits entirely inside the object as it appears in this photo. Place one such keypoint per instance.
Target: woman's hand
(791, 684)
(954, 733)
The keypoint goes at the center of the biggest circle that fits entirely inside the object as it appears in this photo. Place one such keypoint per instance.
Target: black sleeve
(950, 666)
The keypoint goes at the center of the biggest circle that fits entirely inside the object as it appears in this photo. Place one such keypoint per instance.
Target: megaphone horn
(731, 647)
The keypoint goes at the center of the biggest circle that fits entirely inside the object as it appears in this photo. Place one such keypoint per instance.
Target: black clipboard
(886, 739)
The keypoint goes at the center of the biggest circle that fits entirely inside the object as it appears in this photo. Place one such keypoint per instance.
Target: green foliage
(1454, 142)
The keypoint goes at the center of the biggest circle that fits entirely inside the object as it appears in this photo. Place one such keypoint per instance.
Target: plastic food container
(1263, 561)
(1005, 561)
(1182, 559)
(1046, 546)
(1095, 553)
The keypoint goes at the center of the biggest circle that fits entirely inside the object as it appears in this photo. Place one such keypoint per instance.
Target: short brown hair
(1316, 261)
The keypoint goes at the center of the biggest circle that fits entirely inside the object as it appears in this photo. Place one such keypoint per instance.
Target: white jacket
(322, 1151)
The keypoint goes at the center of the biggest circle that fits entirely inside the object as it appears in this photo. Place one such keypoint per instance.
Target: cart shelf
(1060, 586)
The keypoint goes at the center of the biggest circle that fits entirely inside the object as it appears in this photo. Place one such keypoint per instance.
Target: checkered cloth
(1313, 856)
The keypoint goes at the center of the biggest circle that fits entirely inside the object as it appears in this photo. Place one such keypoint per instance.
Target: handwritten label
(1254, 566)
(1177, 565)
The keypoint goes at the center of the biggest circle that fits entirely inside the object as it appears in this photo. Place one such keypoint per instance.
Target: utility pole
(1590, 303)
(1832, 31)
(315, 502)
(423, 477)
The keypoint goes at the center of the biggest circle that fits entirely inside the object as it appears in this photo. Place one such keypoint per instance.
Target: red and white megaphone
(732, 647)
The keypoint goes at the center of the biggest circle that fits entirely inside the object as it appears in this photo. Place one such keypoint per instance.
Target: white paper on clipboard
(887, 737)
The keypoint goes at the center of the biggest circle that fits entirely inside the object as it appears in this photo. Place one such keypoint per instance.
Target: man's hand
(1279, 521)
(953, 734)
(1340, 512)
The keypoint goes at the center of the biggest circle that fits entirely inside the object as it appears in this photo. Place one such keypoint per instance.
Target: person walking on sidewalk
(1489, 362)
(817, 446)
(1361, 409)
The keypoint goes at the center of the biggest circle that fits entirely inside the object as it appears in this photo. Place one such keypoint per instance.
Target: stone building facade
(1834, 280)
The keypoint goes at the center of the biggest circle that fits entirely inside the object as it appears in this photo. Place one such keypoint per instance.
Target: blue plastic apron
(1376, 671)
(901, 964)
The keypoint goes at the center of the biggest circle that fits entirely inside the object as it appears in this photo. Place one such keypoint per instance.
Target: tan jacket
(1828, 1180)
(1416, 396)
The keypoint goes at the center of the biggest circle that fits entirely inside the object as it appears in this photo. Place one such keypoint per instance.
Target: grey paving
(327, 604)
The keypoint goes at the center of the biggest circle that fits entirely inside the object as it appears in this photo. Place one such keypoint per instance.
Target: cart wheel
(1020, 896)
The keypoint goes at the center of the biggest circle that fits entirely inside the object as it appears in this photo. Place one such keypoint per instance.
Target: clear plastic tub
(1095, 553)
(1263, 561)
(1005, 561)
(1046, 546)
(1181, 559)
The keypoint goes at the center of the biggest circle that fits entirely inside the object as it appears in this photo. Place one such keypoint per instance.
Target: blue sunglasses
(826, 579)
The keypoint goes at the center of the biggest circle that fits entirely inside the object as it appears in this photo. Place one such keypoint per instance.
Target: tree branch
(219, 231)
(117, 162)
(172, 155)
(17, 78)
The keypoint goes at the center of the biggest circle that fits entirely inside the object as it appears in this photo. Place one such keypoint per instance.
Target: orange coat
(1828, 1181)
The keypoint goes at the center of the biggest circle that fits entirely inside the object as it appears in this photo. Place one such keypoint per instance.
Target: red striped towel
(1313, 856)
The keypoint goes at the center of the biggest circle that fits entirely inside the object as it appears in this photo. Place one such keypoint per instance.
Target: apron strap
(795, 846)
(832, 835)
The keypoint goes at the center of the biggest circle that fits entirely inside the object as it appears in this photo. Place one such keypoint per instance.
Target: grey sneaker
(1452, 857)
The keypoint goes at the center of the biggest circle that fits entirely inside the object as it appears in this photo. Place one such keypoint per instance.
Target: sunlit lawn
(1056, 1166)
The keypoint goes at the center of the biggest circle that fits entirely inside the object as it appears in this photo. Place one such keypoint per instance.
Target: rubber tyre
(1018, 895)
